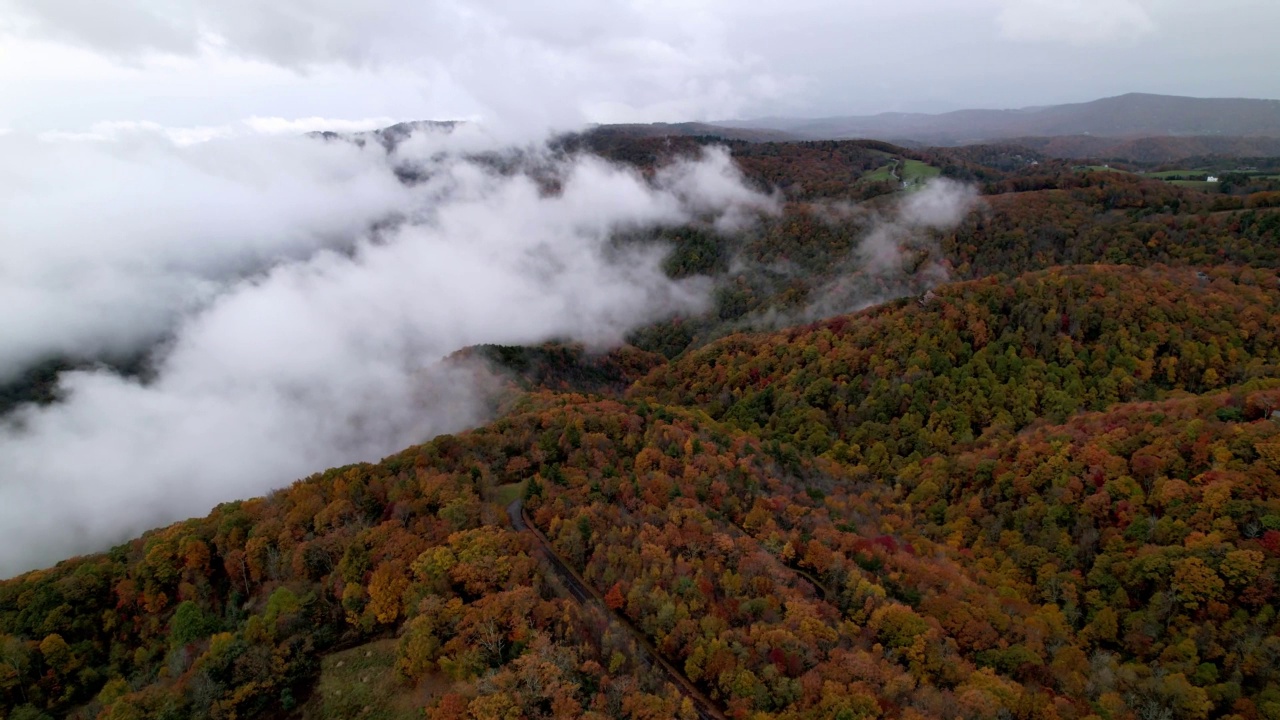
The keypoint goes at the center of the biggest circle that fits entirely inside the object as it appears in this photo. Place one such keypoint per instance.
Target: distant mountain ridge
(1161, 149)
(694, 129)
(1124, 116)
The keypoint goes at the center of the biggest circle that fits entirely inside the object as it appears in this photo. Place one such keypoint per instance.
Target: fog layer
(899, 254)
(296, 338)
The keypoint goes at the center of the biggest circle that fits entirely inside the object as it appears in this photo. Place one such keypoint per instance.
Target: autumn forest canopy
(961, 432)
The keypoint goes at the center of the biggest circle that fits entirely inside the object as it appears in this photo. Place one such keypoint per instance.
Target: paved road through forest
(583, 594)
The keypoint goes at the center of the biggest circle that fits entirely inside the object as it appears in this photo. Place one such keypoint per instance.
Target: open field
(1168, 174)
(362, 683)
(1195, 184)
(912, 172)
(882, 174)
(504, 495)
(916, 171)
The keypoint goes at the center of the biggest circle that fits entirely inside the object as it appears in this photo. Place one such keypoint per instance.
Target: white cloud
(327, 357)
(181, 136)
(49, 86)
(534, 64)
(117, 129)
(562, 62)
(940, 205)
(316, 124)
(1078, 22)
(108, 243)
(899, 255)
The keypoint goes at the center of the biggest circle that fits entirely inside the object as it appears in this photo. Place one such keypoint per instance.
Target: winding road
(584, 594)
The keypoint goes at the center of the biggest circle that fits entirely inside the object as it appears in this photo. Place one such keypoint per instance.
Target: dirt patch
(362, 683)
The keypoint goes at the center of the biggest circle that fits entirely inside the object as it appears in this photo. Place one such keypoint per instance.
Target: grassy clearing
(362, 683)
(882, 174)
(911, 172)
(916, 171)
(1195, 185)
(1167, 174)
(504, 495)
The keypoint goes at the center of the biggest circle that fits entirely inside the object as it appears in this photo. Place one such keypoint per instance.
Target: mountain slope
(1048, 493)
(1157, 149)
(842, 520)
(895, 384)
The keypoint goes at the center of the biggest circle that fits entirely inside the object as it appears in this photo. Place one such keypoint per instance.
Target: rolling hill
(1047, 488)
(1154, 149)
(841, 520)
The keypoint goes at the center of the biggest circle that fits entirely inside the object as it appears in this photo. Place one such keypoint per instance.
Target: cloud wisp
(295, 339)
(899, 255)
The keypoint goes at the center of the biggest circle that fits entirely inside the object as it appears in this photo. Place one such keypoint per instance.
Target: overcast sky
(217, 67)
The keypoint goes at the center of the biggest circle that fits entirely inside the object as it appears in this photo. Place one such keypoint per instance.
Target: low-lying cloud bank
(897, 253)
(294, 337)
(900, 253)
(108, 244)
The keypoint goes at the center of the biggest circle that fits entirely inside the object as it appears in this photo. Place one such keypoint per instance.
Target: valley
(1023, 464)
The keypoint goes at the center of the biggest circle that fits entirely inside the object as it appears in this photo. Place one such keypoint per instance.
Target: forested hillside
(1041, 480)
